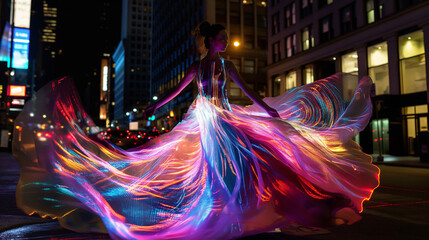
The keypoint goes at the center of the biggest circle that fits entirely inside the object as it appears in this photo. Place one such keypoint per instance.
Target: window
(290, 16)
(323, 3)
(290, 80)
(249, 66)
(307, 38)
(237, 63)
(378, 68)
(275, 27)
(308, 75)
(249, 41)
(374, 10)
(234, 90)
(412, 62)
(306, 8)
(261, 66)
(290, 45)
(262, 42)
(248, 18)
(262, 20)
(325, 29)
(276, 52)
(234, 17)
(276, 85)
(417, 122)
(349, 64)
(348, 19)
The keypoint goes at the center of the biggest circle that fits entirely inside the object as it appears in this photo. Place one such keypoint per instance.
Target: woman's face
(220, 43)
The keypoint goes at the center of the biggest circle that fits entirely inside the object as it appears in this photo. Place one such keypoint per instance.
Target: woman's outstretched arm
(235, 76)
(189, 76)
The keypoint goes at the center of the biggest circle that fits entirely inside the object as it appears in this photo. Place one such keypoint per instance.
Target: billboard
(16, 90)
(19, 102)
(22, 13)
(21, 42)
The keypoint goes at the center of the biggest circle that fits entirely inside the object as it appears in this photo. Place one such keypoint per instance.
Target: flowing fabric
(225, 171)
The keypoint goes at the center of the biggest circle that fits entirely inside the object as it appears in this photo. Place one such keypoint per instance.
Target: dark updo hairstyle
(210, 31)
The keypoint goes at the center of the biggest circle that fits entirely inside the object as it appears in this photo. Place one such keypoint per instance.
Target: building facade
(132, 78)
(175, 49)
(385, 39)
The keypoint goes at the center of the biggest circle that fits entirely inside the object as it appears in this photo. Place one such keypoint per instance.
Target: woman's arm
(189, 76)
(235, 76)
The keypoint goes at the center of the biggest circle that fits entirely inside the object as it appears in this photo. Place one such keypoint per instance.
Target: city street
(399, 209)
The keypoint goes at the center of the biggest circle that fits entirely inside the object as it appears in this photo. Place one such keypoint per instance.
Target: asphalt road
(398, 209)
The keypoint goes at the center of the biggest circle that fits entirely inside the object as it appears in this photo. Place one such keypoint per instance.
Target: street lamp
(155, 98)
(236, 44)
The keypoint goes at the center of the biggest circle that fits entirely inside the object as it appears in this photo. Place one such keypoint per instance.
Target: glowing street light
(236, 44)
(134, 109)
(155, 98)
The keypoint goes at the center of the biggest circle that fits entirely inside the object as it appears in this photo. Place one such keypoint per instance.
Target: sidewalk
(401, 161)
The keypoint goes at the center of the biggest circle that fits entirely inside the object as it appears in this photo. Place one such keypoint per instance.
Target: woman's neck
(213, 55)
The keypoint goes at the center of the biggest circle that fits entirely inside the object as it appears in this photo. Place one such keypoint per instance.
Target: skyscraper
(132, 60)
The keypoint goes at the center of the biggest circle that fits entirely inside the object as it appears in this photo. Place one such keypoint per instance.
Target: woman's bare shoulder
(229, 65)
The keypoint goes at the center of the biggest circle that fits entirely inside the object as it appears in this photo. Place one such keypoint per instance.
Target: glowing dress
(224, 172)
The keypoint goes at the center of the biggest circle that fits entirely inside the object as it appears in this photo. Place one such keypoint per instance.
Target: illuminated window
(416, 119)
(374, 10)
(308, 75)
(412, 62)
(378, 68)
(234, 90)
(307, 38)
(290, 45)
(349, 64)
(249, 66)
(237, 63)
(290, 80)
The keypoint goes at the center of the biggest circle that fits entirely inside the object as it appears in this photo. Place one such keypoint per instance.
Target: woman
(225, 171)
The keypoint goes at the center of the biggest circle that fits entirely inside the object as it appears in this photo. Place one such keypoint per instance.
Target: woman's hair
(209, 31)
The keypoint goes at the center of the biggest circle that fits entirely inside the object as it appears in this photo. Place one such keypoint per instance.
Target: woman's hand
(272, 112)
(149, 111)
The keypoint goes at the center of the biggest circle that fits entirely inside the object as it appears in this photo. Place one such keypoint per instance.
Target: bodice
(212, 82)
